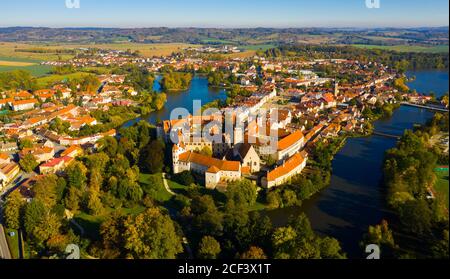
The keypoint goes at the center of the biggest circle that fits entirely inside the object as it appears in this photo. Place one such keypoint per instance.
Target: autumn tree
(254, 253)
(13, 210)
(28, 163)
(209, 248)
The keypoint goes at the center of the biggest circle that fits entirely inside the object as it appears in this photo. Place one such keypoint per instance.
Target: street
(4, 249)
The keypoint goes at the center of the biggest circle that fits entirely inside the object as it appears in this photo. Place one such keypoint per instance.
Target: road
(4, 249)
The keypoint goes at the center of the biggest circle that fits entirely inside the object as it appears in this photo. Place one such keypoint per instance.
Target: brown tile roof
(209, 161)
(290, 140)
(287, 167)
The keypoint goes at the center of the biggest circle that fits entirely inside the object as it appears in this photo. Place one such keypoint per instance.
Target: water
(198, 90)
(355, 198)
(429, 80)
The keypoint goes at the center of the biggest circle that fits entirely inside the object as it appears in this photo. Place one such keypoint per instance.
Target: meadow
(409, 48)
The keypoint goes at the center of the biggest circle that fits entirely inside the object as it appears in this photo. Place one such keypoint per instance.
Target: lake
(198, 90)
(429, 80)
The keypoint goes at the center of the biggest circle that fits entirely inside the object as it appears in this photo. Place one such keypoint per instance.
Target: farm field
(19, 50)
(408, 48)
(16, 63)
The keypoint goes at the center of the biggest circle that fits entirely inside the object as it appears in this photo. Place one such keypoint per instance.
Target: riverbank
(355, 198)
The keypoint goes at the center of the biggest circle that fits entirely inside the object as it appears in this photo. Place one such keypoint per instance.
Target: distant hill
(250, 36)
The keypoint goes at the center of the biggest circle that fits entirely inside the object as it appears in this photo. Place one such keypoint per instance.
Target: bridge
(435, 108)
(386, 135)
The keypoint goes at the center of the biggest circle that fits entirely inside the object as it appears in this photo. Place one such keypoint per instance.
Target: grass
(408, 48)
(13, 243)
(16, 63)
(152, 184)
(44, 81)
(442, 184)
(258, 47)
(147, 50)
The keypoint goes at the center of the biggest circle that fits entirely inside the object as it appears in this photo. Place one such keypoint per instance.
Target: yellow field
(15, 63)
(148, 50)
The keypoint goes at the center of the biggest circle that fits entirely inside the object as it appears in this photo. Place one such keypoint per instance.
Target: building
(215, 170)
(284, 172)
(24, 104)
(8, 171)
(289, 145)
(246, 154)
(55, 165)
(72, 151)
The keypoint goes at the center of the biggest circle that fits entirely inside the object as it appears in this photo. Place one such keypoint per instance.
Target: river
(198, 90)
(355, 198)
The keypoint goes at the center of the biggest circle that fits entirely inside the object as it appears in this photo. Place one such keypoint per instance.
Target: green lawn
(13, 243)
(44, 81)
(176, 187)
(408, 48)
(441, 185)
(152, 184)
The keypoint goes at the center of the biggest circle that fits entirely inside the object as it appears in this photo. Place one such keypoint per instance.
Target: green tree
(152, 157)
(13, 210)
(209, 248)
(151, 235)
(28, 163)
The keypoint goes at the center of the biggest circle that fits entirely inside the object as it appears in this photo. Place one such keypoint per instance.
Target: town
(280, 124)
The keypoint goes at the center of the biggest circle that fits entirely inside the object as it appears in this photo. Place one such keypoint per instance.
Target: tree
(73, 197)
(151, 235)
(152, 157)
(45, 190)
(28, 163)
(94, 205)
(34, 212)
(13, 210)
(254, 253)
(76, 175)
(382, 236)
(206, 151)
(242, 192)
(25, 143)
(47, 227)
(208, 248)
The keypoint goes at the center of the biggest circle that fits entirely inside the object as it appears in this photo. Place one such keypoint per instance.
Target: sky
(224, 13)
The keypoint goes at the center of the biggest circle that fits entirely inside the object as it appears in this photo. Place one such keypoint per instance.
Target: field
(442, 185)
(19, 50)
(408, 48)
(16, 63)
(48, 80)
(13, 243)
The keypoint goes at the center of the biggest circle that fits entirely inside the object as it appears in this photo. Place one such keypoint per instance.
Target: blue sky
(224, 13)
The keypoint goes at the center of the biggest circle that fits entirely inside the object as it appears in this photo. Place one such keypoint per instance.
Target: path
(166, 185)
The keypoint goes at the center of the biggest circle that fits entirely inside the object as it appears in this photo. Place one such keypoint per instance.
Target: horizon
(204, 14)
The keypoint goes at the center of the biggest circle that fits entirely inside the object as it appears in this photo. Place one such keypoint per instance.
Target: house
(72, 151)
(4, 158)
(214, 170)
(283, 173)
(8, 171)
(24, 104)
(55, 165)
(8, 146)
(41, 153)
